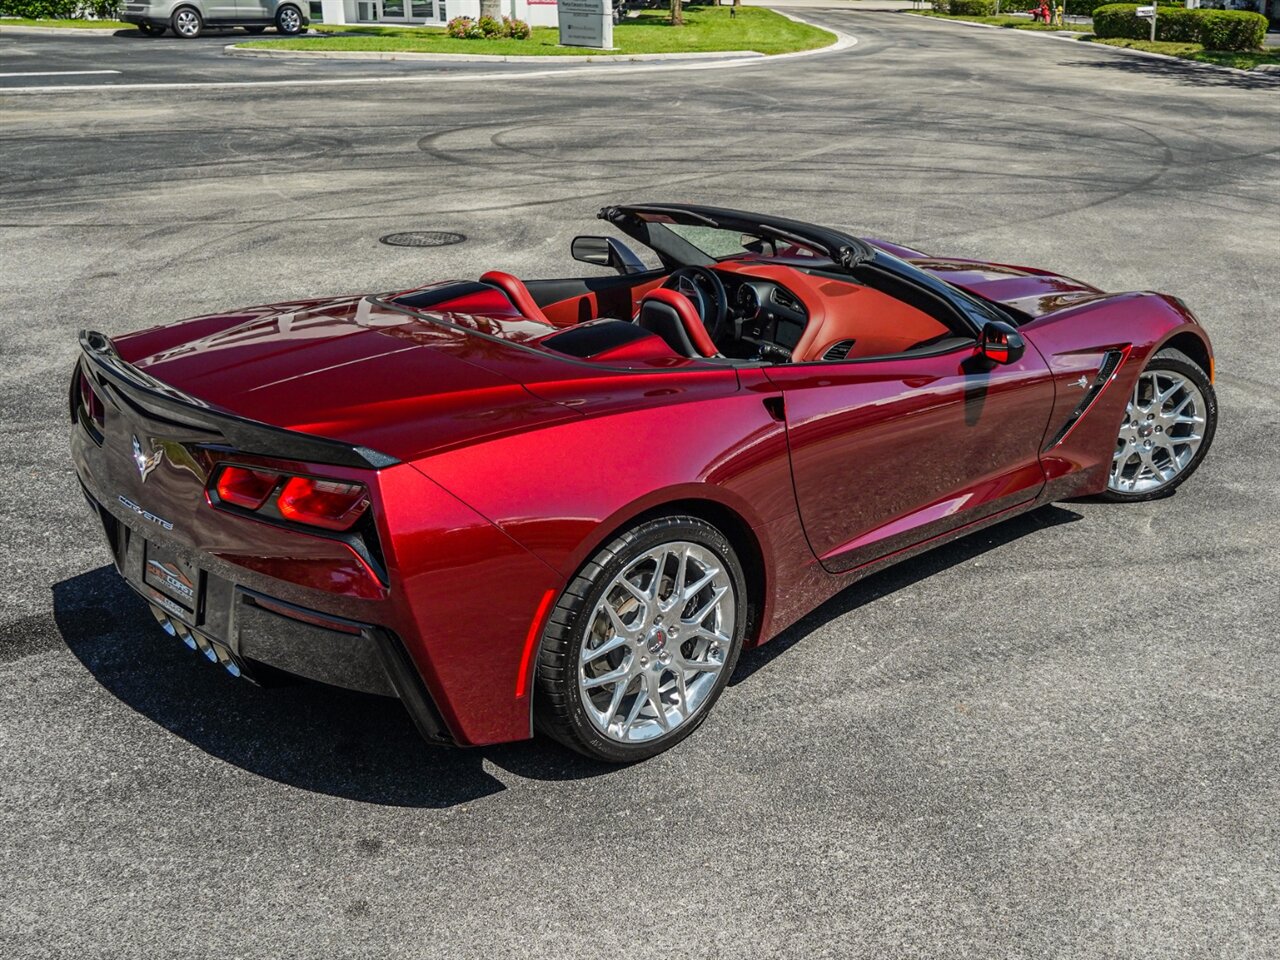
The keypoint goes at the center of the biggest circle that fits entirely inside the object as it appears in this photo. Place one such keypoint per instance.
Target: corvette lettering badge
(144, 514)
(144, 463)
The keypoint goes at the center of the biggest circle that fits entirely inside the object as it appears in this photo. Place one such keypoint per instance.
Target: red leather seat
(673, 317)
(517, 293)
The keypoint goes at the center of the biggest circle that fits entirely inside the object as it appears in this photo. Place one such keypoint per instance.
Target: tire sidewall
(625, 551)
(1179, 363)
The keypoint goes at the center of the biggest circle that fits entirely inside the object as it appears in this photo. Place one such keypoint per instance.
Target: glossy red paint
(515, 464)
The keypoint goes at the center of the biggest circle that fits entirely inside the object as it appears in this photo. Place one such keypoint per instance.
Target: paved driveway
(1057, 738)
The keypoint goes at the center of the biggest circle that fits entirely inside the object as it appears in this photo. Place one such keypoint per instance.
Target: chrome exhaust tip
(213, 651)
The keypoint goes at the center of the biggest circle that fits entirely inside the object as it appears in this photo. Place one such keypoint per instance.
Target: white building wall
(542, 13)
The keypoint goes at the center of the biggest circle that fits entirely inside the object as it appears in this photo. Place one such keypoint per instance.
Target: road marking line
(56, 73)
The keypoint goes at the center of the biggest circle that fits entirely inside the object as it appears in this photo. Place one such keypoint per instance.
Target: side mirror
(1001, 343)
(606, 252)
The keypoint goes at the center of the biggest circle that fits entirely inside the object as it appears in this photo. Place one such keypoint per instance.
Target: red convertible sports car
(567, 505)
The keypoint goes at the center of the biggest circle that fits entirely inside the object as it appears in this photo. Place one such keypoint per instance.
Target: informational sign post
(586, 23)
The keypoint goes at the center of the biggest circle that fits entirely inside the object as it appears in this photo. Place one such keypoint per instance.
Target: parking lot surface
(1054, 739)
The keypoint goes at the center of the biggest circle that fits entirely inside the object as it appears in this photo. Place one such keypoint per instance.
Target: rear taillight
(90, 403)
(322, 503)
(314, 501)
(245, 487)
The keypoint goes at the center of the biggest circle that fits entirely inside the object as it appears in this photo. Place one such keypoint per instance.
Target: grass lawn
(1014, 23)
(70, 24)
(705, 29)
(1194, 51)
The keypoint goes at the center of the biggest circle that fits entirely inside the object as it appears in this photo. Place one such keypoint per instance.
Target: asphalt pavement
(1055, 739)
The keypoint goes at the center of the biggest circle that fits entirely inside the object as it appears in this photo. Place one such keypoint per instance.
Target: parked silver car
(188, 18)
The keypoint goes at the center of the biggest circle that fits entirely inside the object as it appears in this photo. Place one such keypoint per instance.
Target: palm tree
(677, 13)
(491, 8)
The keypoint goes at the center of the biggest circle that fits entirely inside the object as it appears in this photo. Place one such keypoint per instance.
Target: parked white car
(188, 18)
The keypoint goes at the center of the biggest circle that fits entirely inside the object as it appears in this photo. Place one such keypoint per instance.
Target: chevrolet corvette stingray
(567, 505)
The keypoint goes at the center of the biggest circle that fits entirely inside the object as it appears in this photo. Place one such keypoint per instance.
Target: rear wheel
(187, 23)
(643, 641)
(1167, 429)
(288, 21)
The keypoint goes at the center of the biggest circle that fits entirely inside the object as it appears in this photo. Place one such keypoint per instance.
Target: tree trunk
(491, 8)
(677, 13)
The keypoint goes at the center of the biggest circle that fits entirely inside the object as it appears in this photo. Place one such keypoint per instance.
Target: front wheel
(643, 641)
(187, 23)
(289, 21)
(1167, 429)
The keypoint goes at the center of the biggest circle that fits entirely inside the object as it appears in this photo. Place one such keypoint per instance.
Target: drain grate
(422, 238)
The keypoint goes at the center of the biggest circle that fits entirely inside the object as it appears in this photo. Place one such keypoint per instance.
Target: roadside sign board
(586, 23)
(1146, 12)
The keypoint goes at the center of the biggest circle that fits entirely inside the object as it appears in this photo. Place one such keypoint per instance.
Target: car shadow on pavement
(897, 577)
(1185, 71)
(314, 737)
(364, 747)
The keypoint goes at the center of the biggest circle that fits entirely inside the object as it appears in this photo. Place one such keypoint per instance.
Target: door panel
(888, 453)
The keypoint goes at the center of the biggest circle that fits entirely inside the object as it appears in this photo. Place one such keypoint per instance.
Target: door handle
(776, 407)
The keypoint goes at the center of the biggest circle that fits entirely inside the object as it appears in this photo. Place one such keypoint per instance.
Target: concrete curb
(63, 31)
(236, 50)
(1264, 70)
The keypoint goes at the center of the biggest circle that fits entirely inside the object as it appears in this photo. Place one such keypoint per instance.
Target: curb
(1263, 70)
(63, 31)
(236, 50)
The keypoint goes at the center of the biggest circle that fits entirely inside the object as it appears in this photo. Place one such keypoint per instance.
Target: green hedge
(61, 9)
(1215, 29)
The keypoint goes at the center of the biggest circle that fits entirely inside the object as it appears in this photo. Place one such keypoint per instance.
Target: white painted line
(843, 42)
(56, 73)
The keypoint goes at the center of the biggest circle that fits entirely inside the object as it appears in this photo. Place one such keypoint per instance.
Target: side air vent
(838, 351)
(1110, 361)
(784, 299)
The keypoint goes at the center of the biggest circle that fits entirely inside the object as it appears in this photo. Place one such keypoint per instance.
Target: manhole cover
(422, 238)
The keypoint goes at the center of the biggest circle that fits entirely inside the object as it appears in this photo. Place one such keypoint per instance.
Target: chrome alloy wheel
(186, 23)
(290, 20)
(656, 642)
(1163, 427)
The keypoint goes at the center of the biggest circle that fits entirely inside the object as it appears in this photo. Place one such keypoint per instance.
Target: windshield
(721, 244)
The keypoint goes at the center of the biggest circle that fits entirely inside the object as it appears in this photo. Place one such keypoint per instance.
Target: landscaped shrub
(1085, 8)
(489, 26)
(515, 29)
(1232, 29)
(40, 9)
(464, 28)
(1215, 29)
(973, 8)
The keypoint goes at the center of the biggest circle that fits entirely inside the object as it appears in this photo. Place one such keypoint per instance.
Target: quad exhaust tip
(213, 651)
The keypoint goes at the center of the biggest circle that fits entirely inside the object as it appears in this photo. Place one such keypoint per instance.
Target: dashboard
(766, 316)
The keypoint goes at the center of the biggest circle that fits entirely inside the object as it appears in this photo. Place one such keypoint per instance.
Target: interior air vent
(838, 351)
(784, 299)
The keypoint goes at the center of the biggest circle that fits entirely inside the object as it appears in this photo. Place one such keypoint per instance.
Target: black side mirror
(1001, 343)
(606, 252)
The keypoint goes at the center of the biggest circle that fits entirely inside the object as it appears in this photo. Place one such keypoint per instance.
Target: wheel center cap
(657, 641)
(1145, 430)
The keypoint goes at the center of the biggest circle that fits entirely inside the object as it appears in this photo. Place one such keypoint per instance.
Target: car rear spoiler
(158, 401)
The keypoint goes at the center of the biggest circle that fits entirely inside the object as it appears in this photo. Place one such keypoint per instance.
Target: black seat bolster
(585, 340)
(662, 319)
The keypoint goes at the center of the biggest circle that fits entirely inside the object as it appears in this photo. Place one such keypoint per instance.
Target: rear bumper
(245, 630)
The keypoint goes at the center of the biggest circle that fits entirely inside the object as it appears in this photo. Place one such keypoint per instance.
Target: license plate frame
(180, 582)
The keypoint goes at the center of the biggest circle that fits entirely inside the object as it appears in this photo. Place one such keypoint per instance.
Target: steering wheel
(705, 290)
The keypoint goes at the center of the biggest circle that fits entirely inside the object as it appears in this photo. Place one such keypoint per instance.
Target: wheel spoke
(707, 607)
(595, 653)
(613, 676)
(655, 700)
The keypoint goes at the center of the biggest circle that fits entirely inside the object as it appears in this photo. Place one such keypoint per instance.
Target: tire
(289, 21)
(255, 29)
(645, 652)
(186, 23)
(1178, 460)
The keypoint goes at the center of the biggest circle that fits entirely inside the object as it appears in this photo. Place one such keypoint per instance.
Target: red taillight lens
(244, 487)
(322, 503)
(90, 403)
